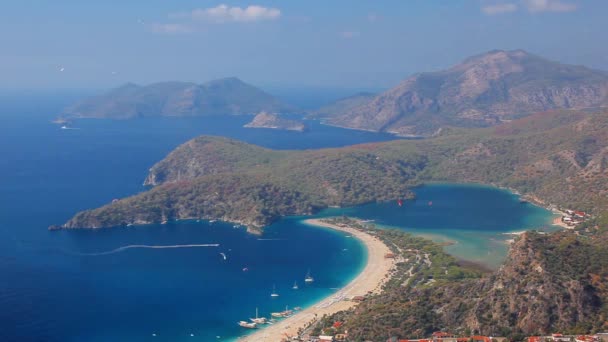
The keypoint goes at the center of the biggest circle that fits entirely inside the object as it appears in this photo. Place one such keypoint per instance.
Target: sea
(189, 280)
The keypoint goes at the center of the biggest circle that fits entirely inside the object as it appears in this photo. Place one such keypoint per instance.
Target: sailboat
(282, 314)
(248, 325)
(309, 278)
(274, 292)
(295, 285)
(258, 320)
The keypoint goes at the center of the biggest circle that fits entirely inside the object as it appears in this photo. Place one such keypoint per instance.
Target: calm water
(473, 217)
(53, 289)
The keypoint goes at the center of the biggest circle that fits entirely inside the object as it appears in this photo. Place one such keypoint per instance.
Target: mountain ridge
(483, 90)
(225, 96)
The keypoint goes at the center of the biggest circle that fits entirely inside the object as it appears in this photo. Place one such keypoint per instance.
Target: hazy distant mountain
(481, 91)
(228, 96)
(342, 105)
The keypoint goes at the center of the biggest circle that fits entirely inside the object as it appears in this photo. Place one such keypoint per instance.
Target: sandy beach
(558, 222)
(370, 279)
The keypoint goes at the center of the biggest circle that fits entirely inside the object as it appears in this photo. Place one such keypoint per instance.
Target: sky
(84, 44)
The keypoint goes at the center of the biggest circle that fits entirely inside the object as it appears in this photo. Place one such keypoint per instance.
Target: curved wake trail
(124, 248)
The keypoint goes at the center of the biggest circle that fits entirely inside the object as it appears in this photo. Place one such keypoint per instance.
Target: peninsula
(273, 121)
(558, 156)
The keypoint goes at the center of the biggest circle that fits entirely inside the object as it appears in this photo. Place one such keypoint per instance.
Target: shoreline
(370, 279)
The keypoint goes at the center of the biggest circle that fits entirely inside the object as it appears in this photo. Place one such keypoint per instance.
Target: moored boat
(258, 320)
(248, 325)
(283, 314)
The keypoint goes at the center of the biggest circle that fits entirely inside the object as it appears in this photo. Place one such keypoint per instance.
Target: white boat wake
(124, 248)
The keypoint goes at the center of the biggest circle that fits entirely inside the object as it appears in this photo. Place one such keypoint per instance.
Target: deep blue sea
(63, 286)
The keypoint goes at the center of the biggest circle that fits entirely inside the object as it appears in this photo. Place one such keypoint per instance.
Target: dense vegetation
(550, 283)
(560, 157)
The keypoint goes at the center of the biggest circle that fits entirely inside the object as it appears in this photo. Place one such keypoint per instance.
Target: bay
(81, 286)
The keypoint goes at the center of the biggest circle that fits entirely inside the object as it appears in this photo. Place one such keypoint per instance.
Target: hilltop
(559, 156)
(483, 90)
(228, 96)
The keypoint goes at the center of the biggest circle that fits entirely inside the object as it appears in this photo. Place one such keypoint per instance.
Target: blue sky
(327, 43)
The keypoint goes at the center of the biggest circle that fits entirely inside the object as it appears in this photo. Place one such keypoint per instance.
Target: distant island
(228, 96)
(483, 90)
(267, 120)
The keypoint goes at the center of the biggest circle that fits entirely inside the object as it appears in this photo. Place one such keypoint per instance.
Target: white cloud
(225, 14)
(549, 6)
(499, 8)
(348, 34)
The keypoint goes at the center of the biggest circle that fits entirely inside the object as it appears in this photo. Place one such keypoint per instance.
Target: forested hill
(549, 283)
(560, 156)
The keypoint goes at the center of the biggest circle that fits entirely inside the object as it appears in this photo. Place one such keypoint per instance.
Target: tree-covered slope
(561, 157)
(549, 283)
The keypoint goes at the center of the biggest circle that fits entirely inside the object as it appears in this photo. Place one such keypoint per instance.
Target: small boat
(295, 285)
(309, 278)
(283, 314)
(248, 325)
(274, 292)
(223, 255)
(258, 320)
(400, 202)
(245, 269)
